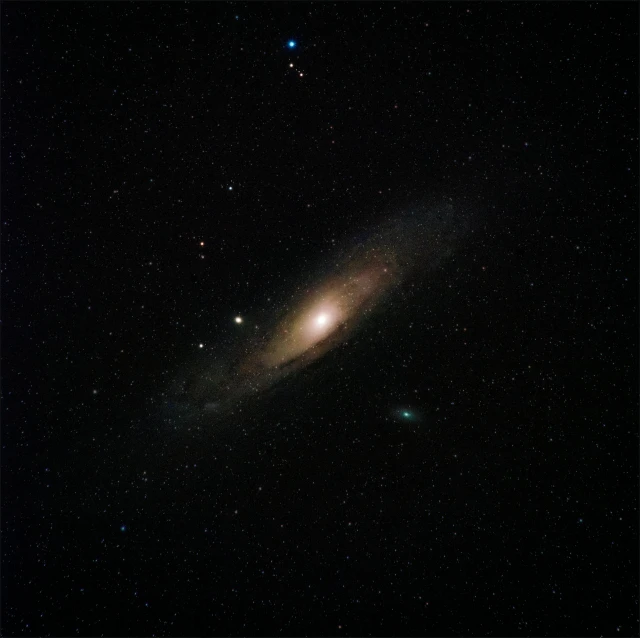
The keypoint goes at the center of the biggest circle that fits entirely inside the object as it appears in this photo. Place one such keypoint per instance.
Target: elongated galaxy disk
(328, 311)
(328, 314)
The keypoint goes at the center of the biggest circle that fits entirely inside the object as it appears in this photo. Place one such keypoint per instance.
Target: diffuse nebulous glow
(327, 313)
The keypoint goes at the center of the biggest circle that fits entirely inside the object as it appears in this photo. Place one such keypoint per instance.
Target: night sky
(453, 451)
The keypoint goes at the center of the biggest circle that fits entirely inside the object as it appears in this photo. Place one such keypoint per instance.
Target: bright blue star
(291, 44)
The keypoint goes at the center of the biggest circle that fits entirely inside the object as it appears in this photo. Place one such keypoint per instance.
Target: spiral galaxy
(330, 308)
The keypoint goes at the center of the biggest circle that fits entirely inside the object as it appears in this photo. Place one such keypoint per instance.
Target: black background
(506, 504)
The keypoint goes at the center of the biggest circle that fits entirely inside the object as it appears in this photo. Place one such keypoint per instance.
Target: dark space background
(505, 504)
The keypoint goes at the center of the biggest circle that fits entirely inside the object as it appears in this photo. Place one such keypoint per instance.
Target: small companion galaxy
(319, 319)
